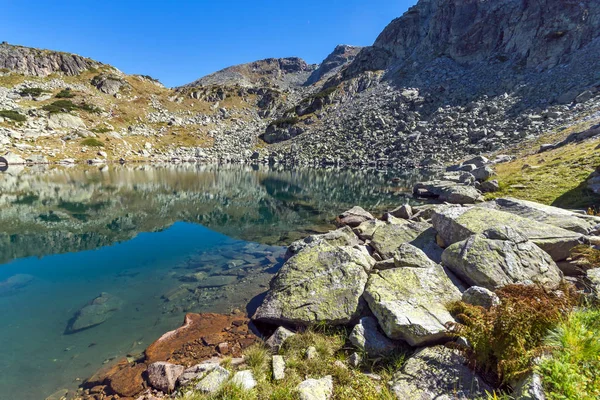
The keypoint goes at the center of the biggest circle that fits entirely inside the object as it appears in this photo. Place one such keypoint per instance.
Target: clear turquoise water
(136, 233)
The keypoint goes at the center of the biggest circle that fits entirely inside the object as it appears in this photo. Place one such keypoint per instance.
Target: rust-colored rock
(128, 381)
(198, 337)
(101, 376)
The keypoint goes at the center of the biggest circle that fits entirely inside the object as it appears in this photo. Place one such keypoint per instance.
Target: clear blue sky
(180, 41)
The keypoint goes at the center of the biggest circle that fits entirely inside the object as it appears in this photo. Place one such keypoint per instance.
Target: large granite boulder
(323, 283)
(455, 224)
(408, 255)
(410, 303)
(340, 237)
(438, 373)
(94, 313)
(492, 263)
(555, 216)
(386, 237)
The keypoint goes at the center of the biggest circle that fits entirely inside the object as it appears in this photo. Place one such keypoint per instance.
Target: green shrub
(506, 338)
(68, 106)
(65, 94)
(572, 370)
(92, 142)
(285, 121)
(33, 92)
(103, 129)
(15, 116)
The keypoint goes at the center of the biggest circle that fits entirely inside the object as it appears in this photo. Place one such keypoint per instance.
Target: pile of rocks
(389, 279)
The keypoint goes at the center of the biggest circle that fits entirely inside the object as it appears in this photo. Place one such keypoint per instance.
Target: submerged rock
(409, 303)
(491, 264)
(438, 373)
(455, 224)
(94, 313)
(14, 283)
(319, 284)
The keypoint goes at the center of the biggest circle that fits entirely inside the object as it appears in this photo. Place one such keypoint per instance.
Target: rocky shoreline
(387, 282)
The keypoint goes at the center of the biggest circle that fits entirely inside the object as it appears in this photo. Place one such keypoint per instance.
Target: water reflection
(56, 210)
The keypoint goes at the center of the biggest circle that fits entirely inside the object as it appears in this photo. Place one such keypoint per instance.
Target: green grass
(67, 106)
(92, 142)
(331, 346)
(65, 94)
(13, 115)
(33, 92)
(572, 372)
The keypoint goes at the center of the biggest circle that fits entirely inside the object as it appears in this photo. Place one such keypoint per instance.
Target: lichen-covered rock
(366, 336)
(244, 379)
(339, 237)
(491, 264)
(455, 224)
(409, 303)
(278, 364)
(213, 381)
(448, 191)
(322, 283)
(163, 375)
(437, 373)
(196, 372)
(408, 255)
(108, 83)
(276, 340)
(65, 121)
(316, 389)
(385, 238)
(479, 296)
(593, 276)
(555, 216)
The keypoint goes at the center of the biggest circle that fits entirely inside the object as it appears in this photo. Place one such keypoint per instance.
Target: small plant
(506, 338)
(92, 142)
(65, 94)
(103, 129)
(13, 115)
(67, 106)
(33, 92)
(572, 371)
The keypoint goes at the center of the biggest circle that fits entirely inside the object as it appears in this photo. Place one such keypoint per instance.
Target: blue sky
(180, 41)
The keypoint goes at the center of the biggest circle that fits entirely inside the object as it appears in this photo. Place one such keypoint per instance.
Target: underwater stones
(14, 283)
(455, 224)
(94, 313)
(353, 217)
(409, 303)
(217, 281)
(366, 336)
(322, 283)
(437, 373)
(491, 264)
(163, 375)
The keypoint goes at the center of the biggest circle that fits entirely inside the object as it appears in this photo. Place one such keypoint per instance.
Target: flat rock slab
(319, 284)
(546, 214)
(437, 373)
(197, 338)
(316, 389)
(455, 224)
(410, 303)
(448, 191)
(492, 264)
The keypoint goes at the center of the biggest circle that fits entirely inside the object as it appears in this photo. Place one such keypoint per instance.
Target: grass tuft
(92, 142)
(13, 115)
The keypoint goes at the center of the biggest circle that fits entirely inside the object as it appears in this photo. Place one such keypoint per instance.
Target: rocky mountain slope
(445, 80)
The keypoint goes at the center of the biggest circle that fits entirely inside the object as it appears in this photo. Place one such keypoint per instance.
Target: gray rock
(65, 121)
(163, 375)
(94, 313)
(479, 296)
(455, 224)
(196, 372)
(108, 83)
(278, 368)
(409, 303)
(385, 238)
(244, 379)
(492, 264)
(483, 173)
(530, 387)
(489, 186)
(365, 336)
(212, 382)
(408, 255)
(593, 276)
(478, 161)
(276, 340)
(447, 191)
(14, 159)
(340, 237)
(316, 389)
(404, 211)
(438, 373)
(555, 216)
(311, 353)
(354, 217)
(355, 360)
(322, 283)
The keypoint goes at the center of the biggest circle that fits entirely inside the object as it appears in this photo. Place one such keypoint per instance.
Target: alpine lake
(98, 262)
